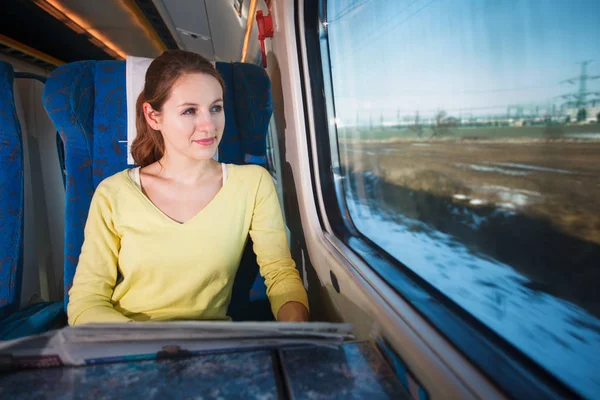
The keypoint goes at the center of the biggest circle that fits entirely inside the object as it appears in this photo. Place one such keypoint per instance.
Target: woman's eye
(189, 111)
(216, 109)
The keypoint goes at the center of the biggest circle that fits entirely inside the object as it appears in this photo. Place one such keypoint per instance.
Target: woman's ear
(152, 116)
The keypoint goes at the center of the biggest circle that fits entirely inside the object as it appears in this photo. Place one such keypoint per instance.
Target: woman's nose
(204, 122)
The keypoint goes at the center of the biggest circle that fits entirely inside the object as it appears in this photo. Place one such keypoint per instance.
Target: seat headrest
(248, 110)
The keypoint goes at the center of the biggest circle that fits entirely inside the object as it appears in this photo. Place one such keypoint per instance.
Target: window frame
(511, 370)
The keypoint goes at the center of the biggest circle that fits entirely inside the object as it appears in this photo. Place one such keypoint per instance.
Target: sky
(467, 57)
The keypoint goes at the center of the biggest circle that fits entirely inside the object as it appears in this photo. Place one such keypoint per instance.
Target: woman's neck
(185, 170)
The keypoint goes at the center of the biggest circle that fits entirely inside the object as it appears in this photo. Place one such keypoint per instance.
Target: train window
(468, 137)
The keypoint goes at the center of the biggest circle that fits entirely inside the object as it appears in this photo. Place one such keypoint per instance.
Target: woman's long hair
(149, 146)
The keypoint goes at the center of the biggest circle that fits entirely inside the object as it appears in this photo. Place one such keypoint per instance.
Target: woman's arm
(292, 311)
(285, 290)
(96, 274)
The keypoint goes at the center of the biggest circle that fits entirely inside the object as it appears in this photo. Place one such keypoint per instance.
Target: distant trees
(443, 124)
(417, 127)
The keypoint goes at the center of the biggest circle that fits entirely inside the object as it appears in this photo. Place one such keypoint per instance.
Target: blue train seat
(15, 322)
(11, 196)
(87, 103)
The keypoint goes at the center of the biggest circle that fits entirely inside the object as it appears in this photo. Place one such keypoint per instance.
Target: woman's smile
(205, 142)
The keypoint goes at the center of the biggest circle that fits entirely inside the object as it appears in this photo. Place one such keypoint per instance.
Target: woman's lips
(205, 142)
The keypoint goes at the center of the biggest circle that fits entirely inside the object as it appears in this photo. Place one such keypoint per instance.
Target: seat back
(11, 196)
(248, 109)
(87, 102)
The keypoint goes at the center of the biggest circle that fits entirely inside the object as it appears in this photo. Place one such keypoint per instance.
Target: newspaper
(103, 343)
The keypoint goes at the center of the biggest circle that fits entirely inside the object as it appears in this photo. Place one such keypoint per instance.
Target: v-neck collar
(226, 171)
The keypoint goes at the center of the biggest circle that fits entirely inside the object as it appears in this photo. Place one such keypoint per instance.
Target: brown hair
(148, 146)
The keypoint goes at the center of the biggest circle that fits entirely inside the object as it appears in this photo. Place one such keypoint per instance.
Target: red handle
(265, 30)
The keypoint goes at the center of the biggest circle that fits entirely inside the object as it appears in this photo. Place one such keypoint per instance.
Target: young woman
(163, 241)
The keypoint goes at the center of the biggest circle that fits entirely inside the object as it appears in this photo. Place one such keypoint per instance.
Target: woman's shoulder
(249, 173)
(115, 183)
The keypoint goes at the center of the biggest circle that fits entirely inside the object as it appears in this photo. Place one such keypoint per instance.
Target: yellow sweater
(138, 264)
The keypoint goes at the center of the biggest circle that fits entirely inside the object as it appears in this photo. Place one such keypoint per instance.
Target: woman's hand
(292, 311)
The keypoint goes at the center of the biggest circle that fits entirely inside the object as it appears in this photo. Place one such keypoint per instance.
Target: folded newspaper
(103, 343)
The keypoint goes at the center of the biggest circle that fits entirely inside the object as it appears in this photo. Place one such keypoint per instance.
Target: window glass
(468, 138)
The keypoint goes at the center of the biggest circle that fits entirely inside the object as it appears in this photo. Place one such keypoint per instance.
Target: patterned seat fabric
(11, 196)
(87, 102)
(15, 322)
(248, 110)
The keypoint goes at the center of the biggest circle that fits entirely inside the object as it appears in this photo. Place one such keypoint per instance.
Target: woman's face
(192, 118)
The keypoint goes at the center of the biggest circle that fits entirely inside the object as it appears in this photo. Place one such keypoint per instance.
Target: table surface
(344, 371)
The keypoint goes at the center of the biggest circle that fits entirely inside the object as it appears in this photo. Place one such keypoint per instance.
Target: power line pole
(579, 99)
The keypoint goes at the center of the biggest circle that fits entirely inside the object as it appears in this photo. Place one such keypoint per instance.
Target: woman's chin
(204, 154)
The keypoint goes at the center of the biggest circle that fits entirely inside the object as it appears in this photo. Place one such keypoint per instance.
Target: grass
(491, 132)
